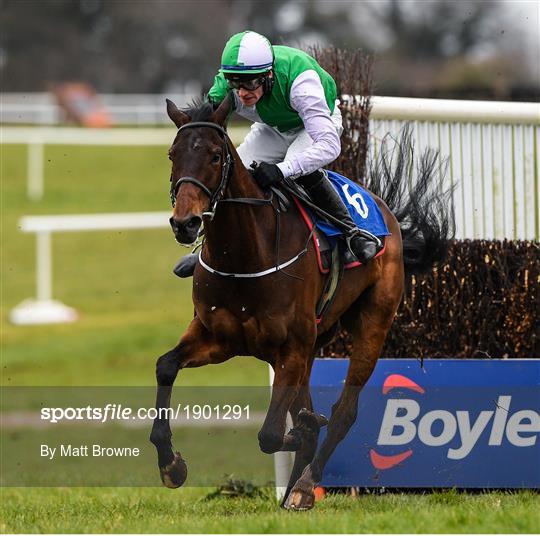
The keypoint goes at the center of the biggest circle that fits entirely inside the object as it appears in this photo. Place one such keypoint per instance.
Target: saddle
(333, 258)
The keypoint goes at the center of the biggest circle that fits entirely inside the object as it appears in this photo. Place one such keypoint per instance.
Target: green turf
(210, 453)
(132, 310)
(186, 510)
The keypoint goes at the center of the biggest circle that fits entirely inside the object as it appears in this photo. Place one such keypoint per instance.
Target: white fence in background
(494, 163)
(123, 109)
(36, 138)
(43, 309)
(493, 151)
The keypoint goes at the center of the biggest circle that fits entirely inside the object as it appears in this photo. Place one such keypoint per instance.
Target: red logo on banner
(394, 381)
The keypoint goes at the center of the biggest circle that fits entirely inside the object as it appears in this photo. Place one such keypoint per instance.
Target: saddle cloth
(363, 210)
(362, 207)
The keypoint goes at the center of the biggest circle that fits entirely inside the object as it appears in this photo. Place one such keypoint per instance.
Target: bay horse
(271, 316)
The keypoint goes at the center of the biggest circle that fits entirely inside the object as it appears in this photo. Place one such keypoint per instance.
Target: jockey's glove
(267, 174)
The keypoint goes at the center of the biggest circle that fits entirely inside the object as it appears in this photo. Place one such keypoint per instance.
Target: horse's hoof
(323, 420)
(299, 500)
(174, 474)
(312, 420)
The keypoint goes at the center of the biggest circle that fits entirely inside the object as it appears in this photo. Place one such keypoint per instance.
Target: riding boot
(186, 265)
(324, 195)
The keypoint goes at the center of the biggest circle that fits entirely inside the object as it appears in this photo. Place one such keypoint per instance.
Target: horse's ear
(178, 117)
(222, 113)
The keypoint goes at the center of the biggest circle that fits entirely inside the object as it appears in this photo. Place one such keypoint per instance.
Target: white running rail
(493, 150)
(139, 109)
(44, 309)
(36, 138)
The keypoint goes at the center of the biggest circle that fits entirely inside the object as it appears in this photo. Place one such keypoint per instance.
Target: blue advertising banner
(453, 423)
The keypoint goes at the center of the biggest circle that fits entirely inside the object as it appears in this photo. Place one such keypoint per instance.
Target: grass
(210, 453)
(158, 510)
(132, 310)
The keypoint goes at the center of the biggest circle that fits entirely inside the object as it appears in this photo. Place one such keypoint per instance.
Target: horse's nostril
(189, 225)
(193, 223)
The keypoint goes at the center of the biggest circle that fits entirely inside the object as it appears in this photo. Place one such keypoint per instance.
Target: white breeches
(266, 144)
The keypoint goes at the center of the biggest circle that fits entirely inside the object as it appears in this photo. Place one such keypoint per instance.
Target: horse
(255, 290)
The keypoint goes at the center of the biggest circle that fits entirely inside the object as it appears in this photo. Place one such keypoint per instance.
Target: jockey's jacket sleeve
(308, 99)
(219, 89)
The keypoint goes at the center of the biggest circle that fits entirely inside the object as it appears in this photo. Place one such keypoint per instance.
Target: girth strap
(254, 274)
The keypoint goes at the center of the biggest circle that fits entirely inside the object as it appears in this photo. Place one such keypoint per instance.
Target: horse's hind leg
(376, 312)
(196, 348)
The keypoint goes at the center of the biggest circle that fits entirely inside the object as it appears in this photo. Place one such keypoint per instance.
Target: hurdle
(44, 309)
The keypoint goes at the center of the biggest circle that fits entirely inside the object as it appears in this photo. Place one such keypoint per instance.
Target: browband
(215, 126)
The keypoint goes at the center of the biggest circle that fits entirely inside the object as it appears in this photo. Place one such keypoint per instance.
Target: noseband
(226, 168)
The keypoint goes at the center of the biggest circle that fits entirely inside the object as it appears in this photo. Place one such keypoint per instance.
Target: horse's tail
(414, 193)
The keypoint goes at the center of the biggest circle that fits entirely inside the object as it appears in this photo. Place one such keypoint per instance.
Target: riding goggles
(248, 85)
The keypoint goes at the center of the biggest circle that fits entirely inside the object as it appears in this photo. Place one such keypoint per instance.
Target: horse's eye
(216, 158)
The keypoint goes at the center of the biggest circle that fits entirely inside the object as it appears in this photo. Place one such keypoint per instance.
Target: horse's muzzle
(186, 230)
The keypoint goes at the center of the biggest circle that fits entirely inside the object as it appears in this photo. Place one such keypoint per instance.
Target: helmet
(247, 53)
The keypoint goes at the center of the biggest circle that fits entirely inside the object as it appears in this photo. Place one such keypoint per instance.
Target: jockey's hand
(267, 174)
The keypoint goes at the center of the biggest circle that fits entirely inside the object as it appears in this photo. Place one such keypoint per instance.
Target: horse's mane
(199, 109)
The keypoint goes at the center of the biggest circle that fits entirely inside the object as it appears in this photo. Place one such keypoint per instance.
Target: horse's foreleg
(307, 425)
(369, 334)
(173, 469)
(288, 373)
(196, 348)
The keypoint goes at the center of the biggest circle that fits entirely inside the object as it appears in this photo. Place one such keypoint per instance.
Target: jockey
(296, 129)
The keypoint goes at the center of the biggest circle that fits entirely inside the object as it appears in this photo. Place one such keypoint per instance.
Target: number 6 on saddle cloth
(367, 216)
(361, 206)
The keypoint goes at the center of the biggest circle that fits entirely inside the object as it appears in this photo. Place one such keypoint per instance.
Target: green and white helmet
(247, 53)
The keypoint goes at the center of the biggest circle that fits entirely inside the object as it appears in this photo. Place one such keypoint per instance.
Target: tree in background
(439, 48)
(445, 48)
(117, 46)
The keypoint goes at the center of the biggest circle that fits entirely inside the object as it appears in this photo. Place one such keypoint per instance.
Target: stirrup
(186, 266)
(361, 247)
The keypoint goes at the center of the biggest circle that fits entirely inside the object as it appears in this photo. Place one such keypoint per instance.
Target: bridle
(217, 196)
(226, 168)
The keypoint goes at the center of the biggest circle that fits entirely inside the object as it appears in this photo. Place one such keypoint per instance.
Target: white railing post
(283, 461)
(35, 170)
(43, 266)
(44, 309)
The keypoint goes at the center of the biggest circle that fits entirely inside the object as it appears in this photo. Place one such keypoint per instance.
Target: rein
(217, 197)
